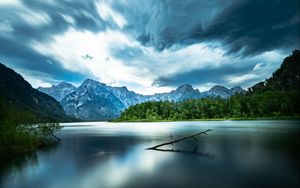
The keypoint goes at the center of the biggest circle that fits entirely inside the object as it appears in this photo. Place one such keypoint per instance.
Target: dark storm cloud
(205, 75)
(83, 13)
(242, 72)
(252, 27)
(244, 27)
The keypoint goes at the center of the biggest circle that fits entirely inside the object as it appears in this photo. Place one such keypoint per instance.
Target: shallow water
(100, 154)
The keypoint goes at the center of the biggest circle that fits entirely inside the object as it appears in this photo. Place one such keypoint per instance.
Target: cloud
(215, 75)
(9, 2)
(245, 27)
(5, 27)
(98, 66)
(106, 13)
(149, 46)
(36, 18)
(234, 71)
(25, 22)
(258, 66)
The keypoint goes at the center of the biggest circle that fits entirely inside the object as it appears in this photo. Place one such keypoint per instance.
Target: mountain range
(93, 100)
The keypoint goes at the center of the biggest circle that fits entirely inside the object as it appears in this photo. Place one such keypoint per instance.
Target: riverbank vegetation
(268, 104)
(25, 114)
(22, 130)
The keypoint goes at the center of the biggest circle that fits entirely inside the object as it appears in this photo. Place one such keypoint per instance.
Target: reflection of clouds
(148, 162)
(100, 154)
(109, 129)
(121, 168)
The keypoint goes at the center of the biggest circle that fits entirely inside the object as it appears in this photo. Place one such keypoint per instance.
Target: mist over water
(100, 154)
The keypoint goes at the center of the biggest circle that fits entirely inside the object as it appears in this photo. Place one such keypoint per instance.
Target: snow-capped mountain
(127, 97)
(183, 92)
(93, 100)
(58, 91)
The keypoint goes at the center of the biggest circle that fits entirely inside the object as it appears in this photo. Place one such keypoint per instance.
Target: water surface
(100, 154)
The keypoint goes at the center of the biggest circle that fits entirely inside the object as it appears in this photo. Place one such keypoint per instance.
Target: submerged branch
(195, 152)
(58, 139)
(178, 140)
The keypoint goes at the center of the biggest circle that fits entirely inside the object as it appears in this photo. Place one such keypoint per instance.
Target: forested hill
(278, 96)
(17, 96)
(287, 77)
(27, 116)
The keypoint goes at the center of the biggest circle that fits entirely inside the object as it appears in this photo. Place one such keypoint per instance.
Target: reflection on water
(234, 154)
(14, 164)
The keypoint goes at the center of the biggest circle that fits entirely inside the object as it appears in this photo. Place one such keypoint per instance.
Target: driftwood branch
(178, 140)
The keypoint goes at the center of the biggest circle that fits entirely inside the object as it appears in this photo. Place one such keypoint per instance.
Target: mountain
(223, 92)
(237, 90)
(17, 92)
(97, 101)
(128, 98)
(218, 91)
(58, 91)
(92, 101)
(287, 77)
(183, 92)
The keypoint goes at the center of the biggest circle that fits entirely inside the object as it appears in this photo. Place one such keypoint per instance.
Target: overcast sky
(148, 45)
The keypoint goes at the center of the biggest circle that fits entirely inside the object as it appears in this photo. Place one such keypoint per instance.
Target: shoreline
(211, 119)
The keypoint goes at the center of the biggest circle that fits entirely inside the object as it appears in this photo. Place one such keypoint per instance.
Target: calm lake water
(99, 154)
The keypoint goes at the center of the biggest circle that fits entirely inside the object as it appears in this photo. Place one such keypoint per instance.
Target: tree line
(254, 105)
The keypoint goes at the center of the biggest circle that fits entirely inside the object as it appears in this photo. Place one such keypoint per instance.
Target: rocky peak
(237, 89)
(218, 88)
(58, 91)
(185, 88)
(90, 83)
(64, 84)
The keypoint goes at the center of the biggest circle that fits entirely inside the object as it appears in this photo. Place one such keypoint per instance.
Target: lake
(100, 154)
